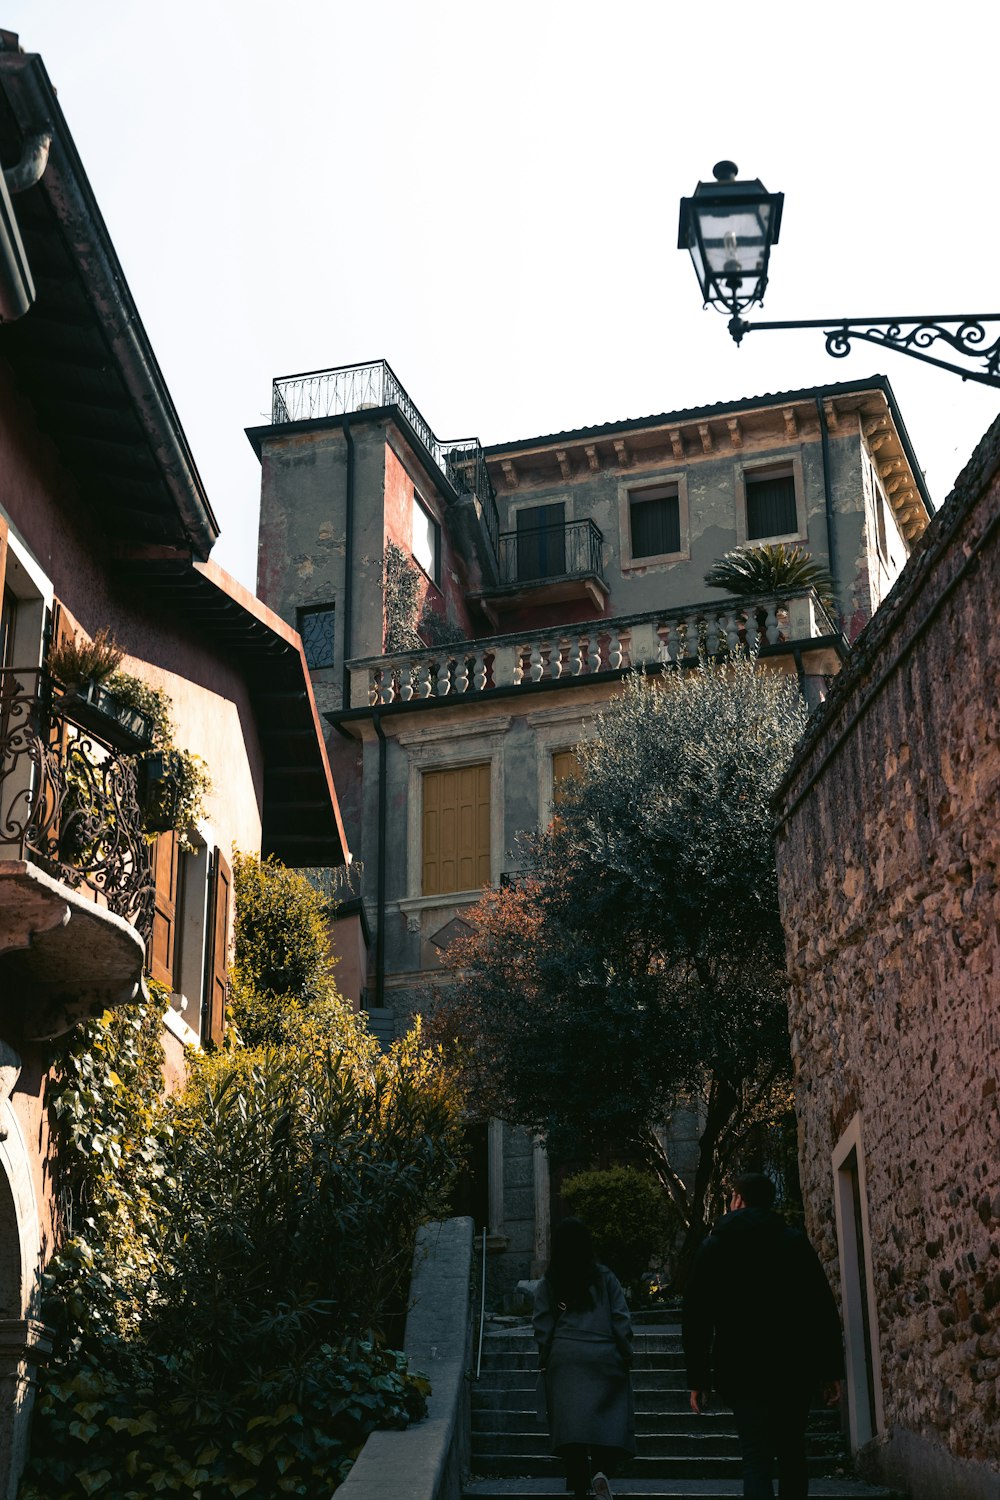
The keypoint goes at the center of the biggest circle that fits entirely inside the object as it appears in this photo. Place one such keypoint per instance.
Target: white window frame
(652, 488)
(757, 468)
(434, 571)
(32, 588)
(852, 1308)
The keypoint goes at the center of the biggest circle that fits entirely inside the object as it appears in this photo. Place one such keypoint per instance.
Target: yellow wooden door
(456, 830)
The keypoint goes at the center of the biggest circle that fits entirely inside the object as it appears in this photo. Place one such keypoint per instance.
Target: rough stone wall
(888, 852)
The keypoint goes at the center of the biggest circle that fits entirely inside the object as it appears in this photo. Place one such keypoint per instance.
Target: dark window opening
(471, 1190)
(655, 524)
(541, 541)
(316, 629)
(771, 506)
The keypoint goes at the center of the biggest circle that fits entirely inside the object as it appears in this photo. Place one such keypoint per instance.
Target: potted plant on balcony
(82, 669)
(765, 568)
(173, 782)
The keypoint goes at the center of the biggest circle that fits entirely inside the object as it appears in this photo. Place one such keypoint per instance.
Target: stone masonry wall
(888, 851)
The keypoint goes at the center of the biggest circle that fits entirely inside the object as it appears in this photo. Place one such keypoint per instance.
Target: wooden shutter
(565, 764)
(456, 830)
(655, 524)
(220, 884)
(541, 541)
(166, 867)
(771, 506)
(4, 533)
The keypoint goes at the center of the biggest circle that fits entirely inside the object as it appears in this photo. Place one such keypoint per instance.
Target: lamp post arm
(965, 333)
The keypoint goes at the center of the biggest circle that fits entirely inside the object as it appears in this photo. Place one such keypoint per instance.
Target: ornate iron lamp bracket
(965, 333)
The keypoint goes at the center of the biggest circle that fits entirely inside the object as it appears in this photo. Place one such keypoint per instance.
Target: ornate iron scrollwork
(965, 333)
(967, 338)
(69, 802)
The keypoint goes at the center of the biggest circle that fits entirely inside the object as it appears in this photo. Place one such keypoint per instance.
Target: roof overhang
(300, 815)
(80, 354)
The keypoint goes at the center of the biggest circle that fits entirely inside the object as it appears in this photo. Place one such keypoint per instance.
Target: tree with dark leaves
(637, 966)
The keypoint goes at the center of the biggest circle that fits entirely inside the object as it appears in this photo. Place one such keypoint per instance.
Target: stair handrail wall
(429, 1460)
(482, 1308)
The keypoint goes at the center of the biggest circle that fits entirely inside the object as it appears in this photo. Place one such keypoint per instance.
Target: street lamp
(729, 226)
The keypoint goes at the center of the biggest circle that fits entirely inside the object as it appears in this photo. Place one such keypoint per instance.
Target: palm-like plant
(764, 568)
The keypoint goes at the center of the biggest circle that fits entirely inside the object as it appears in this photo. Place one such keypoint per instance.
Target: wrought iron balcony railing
(69, 802)
(566, 549)
(770, 624)
(349, 388)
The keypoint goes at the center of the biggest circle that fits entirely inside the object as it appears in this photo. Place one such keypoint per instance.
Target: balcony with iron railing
(319, 394)
(790, 624)
(76, 887)
(547, 565)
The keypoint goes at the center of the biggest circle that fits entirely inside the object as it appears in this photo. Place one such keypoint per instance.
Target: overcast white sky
(488, 197)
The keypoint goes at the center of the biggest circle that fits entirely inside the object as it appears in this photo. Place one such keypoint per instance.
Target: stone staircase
(678, 1453)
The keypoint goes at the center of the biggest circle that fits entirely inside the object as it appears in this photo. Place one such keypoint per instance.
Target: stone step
(522, 1397)
(506, 1419)
(527, 1359)
(533, 1488)
(543, 1466)
(533, 1445)
(523, 1379)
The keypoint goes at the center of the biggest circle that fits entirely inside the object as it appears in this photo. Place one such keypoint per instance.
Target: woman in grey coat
(584, 1335)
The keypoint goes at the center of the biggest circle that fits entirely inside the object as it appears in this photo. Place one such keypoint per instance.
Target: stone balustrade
(663, 638)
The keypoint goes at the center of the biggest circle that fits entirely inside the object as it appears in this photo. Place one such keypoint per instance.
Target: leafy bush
(628, 1214)
(236, 1254)
(294, 1429)
(280, 946)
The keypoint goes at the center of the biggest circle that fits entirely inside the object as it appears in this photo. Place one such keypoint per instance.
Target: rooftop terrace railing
(69, 801)
(349, 388)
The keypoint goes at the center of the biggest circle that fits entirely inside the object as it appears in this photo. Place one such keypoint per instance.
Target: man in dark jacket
(761, 1327)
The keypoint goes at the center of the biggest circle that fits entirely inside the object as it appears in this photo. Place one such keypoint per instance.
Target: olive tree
(637, 966)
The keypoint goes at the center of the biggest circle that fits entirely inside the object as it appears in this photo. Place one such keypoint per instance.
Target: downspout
(828, 495)
(380, 897)
(349, 574)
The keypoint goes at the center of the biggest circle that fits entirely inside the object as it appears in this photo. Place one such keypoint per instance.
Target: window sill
(773, 541)
(445, 898)
(635, 564)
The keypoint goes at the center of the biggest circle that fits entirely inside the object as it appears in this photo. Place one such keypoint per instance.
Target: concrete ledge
(426, 1461)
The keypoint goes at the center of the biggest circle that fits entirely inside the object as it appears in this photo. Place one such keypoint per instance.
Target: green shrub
(237, 1254)
(294, 1429)
(628, 1215)
(280, 943)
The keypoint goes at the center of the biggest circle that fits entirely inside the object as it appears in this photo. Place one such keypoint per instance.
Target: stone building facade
(888, 858)
(543, 569)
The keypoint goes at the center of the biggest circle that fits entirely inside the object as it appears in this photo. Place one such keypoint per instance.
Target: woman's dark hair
(572, 1271)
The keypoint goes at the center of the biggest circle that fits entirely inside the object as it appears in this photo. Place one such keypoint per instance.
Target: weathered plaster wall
(888, 855)
(712, 483)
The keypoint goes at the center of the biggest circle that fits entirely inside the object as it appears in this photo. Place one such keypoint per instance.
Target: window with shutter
(771, 509)
(654, 522)
(166, 879)
(456, 830)
(565, 765)
(541, 541)
(217, 950)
